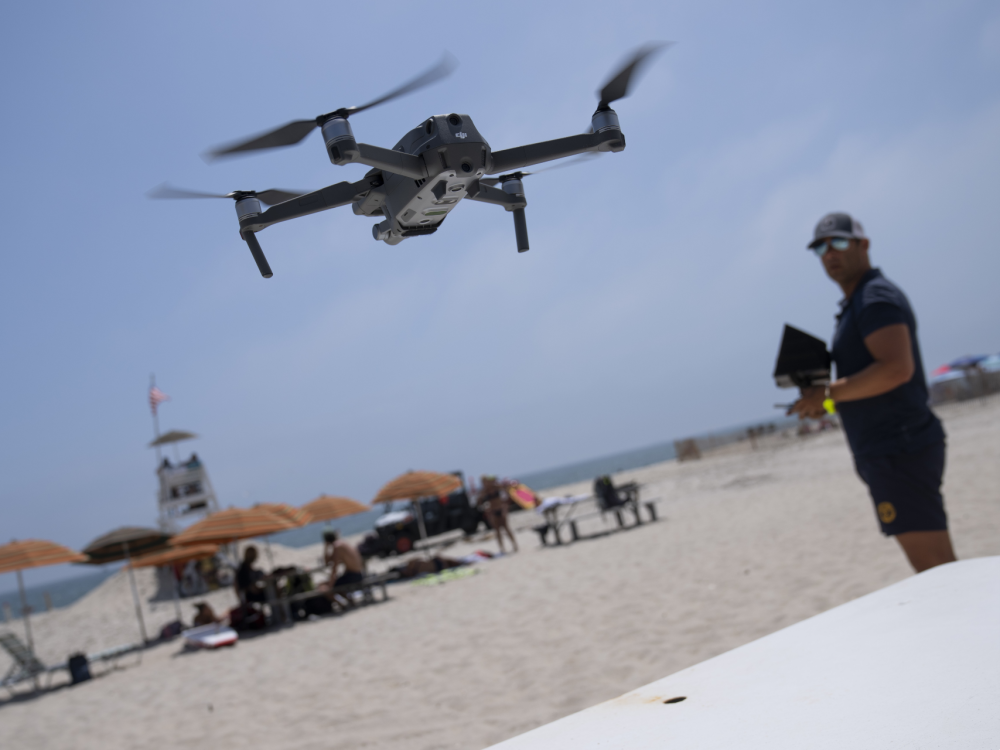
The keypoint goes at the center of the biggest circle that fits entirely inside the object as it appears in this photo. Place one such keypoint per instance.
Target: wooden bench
(366, 586)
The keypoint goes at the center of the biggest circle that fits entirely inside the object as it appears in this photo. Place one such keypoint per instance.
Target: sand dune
(748, 542)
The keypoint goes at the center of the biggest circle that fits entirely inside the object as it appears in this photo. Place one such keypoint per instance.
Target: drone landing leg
(521, 230)
(258, 253)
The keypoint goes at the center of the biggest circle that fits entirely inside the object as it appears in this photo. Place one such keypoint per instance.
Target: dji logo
(462, 135)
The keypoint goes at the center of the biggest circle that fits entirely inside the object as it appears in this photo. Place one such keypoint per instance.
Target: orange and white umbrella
(329, 507)
(290, 513)
(173, 555)
(33, 553)
(414, 485)
(231, 525)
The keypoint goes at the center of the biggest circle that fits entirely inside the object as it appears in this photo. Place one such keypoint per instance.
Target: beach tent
(121, 544)
(33, 553)
(329, 507)
(414, 485)
(171, 556)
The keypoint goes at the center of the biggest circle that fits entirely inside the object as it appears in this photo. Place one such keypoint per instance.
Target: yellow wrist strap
(828, 403)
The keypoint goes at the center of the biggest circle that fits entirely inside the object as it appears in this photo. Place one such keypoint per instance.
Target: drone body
(415, 185)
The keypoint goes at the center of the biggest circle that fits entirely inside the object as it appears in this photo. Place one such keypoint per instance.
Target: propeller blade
(618, 87)
(286, 135)
(165, 192)
(273, 196)
(439, 71)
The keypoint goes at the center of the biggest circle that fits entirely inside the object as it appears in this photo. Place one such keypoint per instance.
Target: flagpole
(156, 417)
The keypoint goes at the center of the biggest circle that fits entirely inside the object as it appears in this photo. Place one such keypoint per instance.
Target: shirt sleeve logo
(886, 512)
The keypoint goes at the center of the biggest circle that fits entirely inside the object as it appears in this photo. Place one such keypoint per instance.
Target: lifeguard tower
(185, 493)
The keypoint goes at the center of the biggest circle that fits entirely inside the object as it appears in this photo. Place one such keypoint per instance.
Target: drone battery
(803, 360)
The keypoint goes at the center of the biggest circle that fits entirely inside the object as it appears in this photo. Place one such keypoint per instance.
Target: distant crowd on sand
(347, 571)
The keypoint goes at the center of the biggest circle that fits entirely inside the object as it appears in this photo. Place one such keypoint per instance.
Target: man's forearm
(874, 380)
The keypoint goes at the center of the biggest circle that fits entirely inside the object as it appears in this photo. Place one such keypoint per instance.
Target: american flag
(156, 397)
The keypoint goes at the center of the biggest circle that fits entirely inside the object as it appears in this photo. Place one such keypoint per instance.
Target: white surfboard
(914, 665)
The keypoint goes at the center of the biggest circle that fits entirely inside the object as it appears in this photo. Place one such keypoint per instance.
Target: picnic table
(566, 511)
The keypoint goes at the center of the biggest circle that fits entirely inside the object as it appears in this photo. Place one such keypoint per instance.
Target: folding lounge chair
(26, 665)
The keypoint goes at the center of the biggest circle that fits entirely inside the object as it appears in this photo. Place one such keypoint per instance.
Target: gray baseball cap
(837, 225)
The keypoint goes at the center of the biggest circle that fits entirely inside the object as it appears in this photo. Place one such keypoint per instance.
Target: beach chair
(26, 665)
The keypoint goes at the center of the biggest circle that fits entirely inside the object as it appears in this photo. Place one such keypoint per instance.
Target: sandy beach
(748, 542)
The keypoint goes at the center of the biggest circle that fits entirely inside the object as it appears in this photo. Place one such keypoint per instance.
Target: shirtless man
(337, 552)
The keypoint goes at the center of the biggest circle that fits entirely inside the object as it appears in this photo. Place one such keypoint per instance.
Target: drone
(415, 185)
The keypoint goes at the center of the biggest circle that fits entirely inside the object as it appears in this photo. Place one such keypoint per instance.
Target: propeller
(618, 86)
(588, 156)
(293, 132)
(270, 197)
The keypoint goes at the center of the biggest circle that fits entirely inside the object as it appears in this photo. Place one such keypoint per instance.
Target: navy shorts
(906, 489)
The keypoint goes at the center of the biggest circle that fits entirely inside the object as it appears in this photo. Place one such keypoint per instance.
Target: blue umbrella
(969, 360)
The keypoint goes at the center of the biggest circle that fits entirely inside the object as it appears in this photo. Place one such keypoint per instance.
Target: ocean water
(63, 593)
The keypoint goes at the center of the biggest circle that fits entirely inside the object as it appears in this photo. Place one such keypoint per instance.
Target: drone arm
(535, 153)
(395, 162)
(487, 194)
(333, 196)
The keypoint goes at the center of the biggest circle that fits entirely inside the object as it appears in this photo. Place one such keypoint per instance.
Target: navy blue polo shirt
(901, 420)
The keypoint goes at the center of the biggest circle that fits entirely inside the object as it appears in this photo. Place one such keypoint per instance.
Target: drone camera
(340, 143)
(454, 120)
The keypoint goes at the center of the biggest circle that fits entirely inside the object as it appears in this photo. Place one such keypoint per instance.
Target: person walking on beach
(881, 395)
(493, 502)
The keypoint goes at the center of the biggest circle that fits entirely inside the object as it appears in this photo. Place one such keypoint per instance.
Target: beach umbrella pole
(135, 595)
(420, 520)
(177, 596)
(25, 612)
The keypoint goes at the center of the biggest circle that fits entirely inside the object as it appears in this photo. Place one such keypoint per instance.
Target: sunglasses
(835, 243)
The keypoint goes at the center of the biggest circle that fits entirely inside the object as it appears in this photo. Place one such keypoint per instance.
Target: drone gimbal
(416, 184)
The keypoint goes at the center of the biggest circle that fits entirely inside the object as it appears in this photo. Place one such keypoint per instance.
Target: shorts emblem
(886, 512)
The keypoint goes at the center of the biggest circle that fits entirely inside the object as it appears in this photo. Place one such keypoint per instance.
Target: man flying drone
(416, 184)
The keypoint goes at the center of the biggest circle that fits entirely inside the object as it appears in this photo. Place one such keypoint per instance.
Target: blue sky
(649, 307)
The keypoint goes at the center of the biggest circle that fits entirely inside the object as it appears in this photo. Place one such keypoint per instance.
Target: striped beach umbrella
(231, 525)
(416, 484)
(33, 553)
(171, 556)
(290, 513)
(329, 507)
(123, 543)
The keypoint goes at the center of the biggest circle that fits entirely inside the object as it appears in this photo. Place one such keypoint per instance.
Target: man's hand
(810, 405)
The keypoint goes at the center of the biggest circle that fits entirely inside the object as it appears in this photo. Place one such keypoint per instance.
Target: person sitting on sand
(337, 552)
(250, 581)
(206, 615)
(493, 501)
